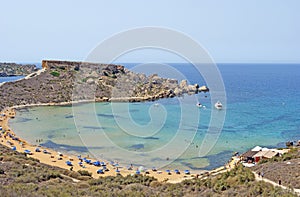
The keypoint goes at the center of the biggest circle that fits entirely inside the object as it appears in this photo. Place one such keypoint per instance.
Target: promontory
(66, 81)
(13, 69)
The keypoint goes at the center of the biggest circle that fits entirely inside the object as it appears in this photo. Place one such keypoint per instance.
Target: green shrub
(84, 80)
(55, 73)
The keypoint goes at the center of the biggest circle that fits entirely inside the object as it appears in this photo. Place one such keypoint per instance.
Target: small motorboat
(218, 105)
(199, 105)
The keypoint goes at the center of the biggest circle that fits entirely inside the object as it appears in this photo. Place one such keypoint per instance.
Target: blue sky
(230, 30)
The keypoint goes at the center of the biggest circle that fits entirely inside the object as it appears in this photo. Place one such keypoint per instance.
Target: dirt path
(259, 178)
(74, 180)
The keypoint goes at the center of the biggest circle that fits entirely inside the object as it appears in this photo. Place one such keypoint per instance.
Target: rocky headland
(65, 82)
(13, 69)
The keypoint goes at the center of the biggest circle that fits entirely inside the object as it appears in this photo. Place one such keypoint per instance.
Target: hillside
(23, 176)
(13, 69)
(285, 168)
(62, 81)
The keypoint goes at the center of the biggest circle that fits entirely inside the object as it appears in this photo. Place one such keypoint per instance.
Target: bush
(84, 173)
(55, 73)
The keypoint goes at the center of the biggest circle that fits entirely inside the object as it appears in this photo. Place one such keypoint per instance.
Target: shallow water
(262, 107)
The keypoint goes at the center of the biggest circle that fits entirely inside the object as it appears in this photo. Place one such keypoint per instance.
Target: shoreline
(7, 139)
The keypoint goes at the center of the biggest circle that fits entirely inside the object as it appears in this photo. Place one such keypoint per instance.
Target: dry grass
(285, 168)
(22, 176)
(286, 171)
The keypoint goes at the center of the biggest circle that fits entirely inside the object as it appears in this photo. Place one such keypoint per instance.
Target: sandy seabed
(54, 158)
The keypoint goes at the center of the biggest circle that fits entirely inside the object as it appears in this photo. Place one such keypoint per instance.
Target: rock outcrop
(12, 69)
(63, 81)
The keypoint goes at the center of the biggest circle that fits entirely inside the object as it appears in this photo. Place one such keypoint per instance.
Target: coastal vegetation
(55, 73)
(23, 176)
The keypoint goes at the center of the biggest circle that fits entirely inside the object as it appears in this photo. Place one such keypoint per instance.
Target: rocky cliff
(12, 69)
(63, 81)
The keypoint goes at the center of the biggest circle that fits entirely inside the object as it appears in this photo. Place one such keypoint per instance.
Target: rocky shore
(65, 82)
(13, 69)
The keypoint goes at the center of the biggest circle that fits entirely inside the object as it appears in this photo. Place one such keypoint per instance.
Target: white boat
(218, 105)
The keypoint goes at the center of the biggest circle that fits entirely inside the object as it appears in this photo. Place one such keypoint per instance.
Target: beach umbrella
(69, 163)
(37, 150)
(96, 163)
(14, 148)
(117, 171)
(87, 161)
(168, 171)
(45, 151)
(100, 171)
(154, 169)
(79, 156)
(15, 138)
(137, 172)
(105, 168)
(102, 163)
(186, 172)
(176, 171)
(27, 151)
(80, 163)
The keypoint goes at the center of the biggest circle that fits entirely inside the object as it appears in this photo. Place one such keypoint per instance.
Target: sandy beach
(54, 158)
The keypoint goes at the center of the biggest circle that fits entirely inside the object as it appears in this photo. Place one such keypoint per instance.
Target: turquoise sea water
(262, 109)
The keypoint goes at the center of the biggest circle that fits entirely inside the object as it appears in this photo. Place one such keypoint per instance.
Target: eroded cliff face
(12, 69)
(63, 81)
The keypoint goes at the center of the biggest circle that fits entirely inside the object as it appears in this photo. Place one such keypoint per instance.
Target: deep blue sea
(262, 108)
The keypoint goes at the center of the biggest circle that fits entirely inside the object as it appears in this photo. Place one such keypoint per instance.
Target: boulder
(203, 89)
(90, 81)
(183, 84)
(192, 88)
(177, 91)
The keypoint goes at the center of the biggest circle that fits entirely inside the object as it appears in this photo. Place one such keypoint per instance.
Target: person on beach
(279, 182)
